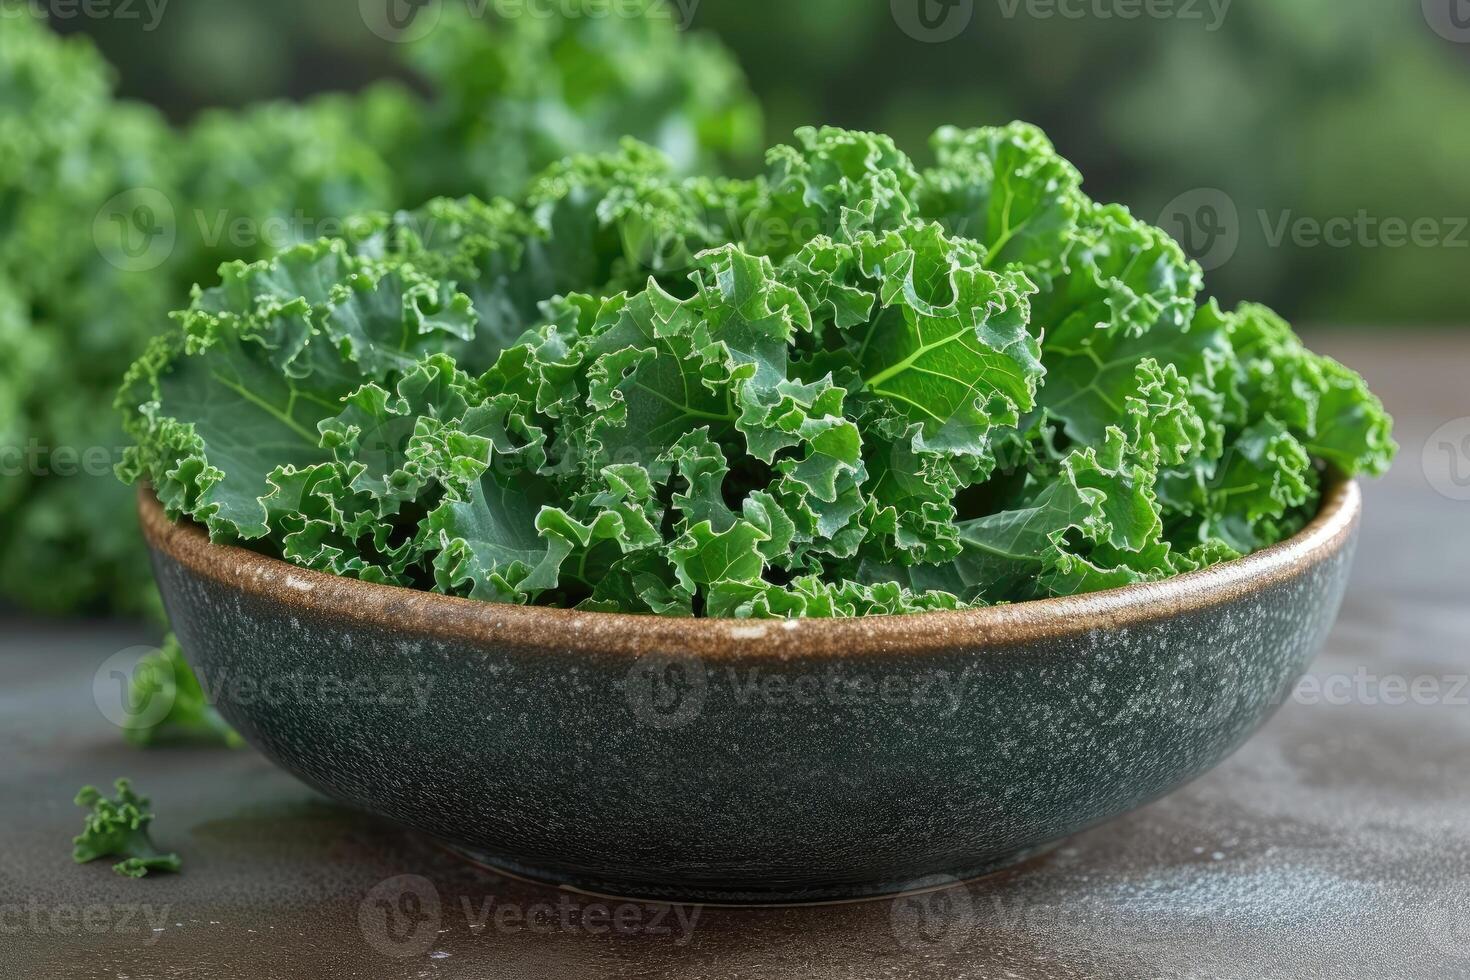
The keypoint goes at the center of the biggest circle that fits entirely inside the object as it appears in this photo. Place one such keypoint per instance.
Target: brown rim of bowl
(540, 628)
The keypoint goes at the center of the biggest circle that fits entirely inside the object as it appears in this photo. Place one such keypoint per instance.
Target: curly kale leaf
(1007, 189)
(849, 387)
(119, 828)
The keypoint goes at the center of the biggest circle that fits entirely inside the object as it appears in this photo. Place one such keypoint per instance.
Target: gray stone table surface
(1335, 844)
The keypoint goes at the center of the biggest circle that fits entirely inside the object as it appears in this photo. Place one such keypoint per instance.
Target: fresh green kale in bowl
(849, 387)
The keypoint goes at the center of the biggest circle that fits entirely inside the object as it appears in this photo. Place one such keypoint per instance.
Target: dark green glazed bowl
(750, 762)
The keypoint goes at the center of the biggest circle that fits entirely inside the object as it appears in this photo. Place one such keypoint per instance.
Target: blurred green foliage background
(1345, 116)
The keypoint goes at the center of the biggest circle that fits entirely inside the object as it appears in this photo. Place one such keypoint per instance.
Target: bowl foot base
(776, 895)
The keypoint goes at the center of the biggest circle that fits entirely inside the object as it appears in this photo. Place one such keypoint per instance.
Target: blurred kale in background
(109, 215)
(1338, 117)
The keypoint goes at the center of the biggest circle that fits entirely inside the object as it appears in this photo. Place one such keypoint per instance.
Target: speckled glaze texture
(734, 762)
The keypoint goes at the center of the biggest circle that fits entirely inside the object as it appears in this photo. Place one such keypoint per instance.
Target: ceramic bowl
(749, 762)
